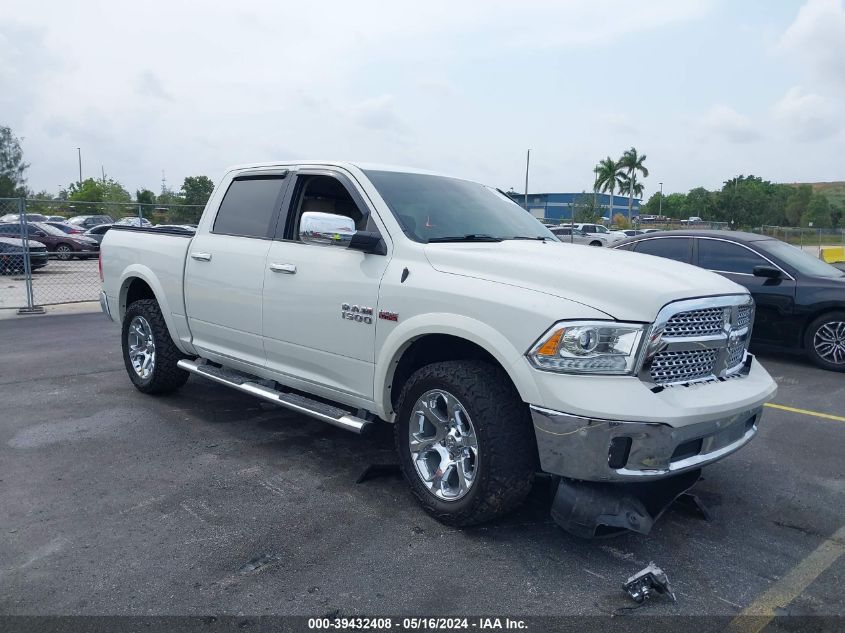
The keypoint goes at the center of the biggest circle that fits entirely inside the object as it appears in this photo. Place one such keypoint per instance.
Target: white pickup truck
(357, 294)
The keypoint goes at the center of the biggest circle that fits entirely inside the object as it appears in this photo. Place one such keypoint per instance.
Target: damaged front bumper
(597, 450)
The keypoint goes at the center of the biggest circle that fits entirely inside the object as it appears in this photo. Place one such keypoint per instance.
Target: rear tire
(500, 456)
(149, 354)
(824, 341)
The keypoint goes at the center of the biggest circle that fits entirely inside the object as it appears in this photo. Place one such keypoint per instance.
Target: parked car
(565, 233)
(178, 227)
(133, 220)
(98, 232)
(598, 235)
(64, 245)
(72, 229)
(16, 217)
(440, 306)
(56, 218)
(631, 232)
(800, 299)
(12, 255)
(90, 221)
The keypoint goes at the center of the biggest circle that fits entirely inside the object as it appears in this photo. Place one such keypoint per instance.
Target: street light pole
(527, 162)
(660, 208)
(79, 155)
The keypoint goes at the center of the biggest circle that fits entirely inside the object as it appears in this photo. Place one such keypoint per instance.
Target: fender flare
(145, 274)
(511, 359)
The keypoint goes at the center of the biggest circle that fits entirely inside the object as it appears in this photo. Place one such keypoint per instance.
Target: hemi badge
(387, 315)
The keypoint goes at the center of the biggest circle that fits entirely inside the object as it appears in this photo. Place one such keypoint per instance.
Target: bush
(620, 221)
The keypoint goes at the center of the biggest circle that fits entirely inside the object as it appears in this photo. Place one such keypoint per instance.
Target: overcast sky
(706, 88)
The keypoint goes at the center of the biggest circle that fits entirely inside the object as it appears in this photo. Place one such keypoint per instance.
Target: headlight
(589, 347)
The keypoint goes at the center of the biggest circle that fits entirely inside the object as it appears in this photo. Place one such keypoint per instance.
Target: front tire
(824, 341)
(149, 354)
(64, 252)
(595, 243)
(465, 441)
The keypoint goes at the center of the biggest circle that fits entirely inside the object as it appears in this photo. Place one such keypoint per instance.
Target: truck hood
(625, 286)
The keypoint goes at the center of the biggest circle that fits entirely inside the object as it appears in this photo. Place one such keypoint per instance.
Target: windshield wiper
(470, 237)
(529, 237)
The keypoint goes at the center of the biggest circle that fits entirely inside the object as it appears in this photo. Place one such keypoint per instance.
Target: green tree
(12, 165)
(608, 178)
(145, 196)
(652, 206)
(674, 205)
(585, 209)
(796, 204)
(699, 203)
(197, 189)
(631, 163)
(97, 190)
(818, 212)
(836, 216)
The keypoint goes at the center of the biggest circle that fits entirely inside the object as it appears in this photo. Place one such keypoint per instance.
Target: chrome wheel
(444, 446)
(63, 252)
(142, 349)
(829, 342)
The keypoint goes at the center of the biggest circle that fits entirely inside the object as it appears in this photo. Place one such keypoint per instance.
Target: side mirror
(328, 229)
(769, 272)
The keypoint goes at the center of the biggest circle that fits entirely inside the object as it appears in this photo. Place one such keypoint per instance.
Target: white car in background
(597, 235)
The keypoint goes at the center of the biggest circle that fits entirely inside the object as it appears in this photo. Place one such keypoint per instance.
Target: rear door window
(727, 257)
(677, 248)
(249, 206)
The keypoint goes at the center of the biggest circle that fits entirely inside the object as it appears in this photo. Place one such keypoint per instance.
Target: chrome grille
(682, 366)
(705, 322)
(699, 339)
(736, 354)
(744, 316)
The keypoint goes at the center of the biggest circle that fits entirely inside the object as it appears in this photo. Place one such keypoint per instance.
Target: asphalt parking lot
(209, 501)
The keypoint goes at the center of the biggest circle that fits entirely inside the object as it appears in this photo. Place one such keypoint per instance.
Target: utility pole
(103, 170)
(660, 212)
(79, 155)
(527, 161)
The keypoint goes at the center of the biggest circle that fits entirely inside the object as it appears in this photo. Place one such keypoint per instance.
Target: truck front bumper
(593, 449)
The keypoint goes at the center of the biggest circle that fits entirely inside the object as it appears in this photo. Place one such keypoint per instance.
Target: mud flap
(593, 510)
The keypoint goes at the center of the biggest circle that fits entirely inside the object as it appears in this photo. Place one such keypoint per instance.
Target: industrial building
(559, 206)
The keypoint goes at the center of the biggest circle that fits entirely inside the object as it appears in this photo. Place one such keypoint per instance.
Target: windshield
(601, 229)
(803, 262)
(49, 230)
(439, 208)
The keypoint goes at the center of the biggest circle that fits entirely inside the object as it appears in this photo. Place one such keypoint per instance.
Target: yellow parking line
(760, 612)
(826, 416)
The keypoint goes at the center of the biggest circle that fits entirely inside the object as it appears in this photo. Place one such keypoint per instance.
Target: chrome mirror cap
(326, 229)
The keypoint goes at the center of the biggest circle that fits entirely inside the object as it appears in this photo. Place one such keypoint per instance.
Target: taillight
(100, 266)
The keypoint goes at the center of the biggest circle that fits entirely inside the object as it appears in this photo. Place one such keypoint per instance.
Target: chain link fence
(57, 263)
(809, 239)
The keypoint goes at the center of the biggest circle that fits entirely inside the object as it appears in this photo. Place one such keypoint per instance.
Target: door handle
(290, 269)
(201, 257)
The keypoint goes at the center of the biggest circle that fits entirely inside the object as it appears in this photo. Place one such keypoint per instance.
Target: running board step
(265, 390)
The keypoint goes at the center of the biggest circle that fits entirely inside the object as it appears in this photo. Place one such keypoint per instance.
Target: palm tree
(632, 163)
(630, 187)
(608, 178)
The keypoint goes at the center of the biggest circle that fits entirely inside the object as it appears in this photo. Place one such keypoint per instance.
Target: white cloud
(805, 115)
(817, 39)
(728, 124)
